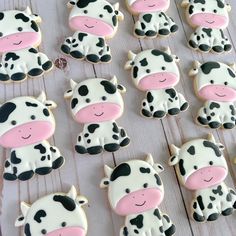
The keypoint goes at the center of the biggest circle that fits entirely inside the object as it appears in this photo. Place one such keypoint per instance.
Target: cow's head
(97, 17)
(26, 120)
(134, 186)
(18, 30)
(96, 100)
(205, 13)
(153, 69)
(200, 163)
(139, 6)
(53, 215)
(214, 81)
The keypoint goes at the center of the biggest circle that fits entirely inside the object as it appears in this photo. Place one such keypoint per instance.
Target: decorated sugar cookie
(97, 103)
(152, 19)
(208, 18)
(54, 215)
(135, 191)
(25, 125)
(20, 36)
(215, 83)
(156, 73)
(93, 21)
(201, 167)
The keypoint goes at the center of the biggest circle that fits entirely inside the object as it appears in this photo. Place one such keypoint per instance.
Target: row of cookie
(135, 190)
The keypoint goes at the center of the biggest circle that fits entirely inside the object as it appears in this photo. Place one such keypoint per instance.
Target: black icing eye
(212, 81)
(226, 83)
(145, 185)
(20, 28)
(211, 163)
(163, 68)
(215, 11)
(32, 117)
(104, 98)
(88, 100)
(127, 190)
(1, 34)
(43, 231)
(101, 15)
(148, 71)
(63, 224)
(195, 167)
(85, 11)
(13, 122)
(203, 9)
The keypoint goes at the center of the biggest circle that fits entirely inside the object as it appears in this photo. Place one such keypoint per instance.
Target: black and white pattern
(97, 103)
(54, 214)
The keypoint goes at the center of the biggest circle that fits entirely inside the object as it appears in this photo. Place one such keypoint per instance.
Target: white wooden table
(147, 136)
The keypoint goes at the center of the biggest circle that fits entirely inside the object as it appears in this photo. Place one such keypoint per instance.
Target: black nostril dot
(63, 224)
(127, 190)
(163, 68)
(215, 11)
(1, 34)
(85, 11)
(33, 117)
(104, 98)
(20, 28)
(148, 71)
(88, 100)
(43, 231)
(226, 83)
(13, 122)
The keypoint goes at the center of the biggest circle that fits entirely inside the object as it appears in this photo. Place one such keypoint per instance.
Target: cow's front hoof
(218, 49)
(159, 114)
(125, 142)
(213, 217)
(43, 170)
(47, 66)
(4, 77)
(228, 125)
(35, 72)
(198, 217)
(139, 32)
(111, 147)
(18, 76)
(228, 211)
(146, 113)
(204, 48)
(228, 47)
(26, 175)
(80, 149)
(65, 49)
(77, 54)
(174, 28)
(151, 33)
(92, 58)
(214, 125)
(106, 58)
(184, 107)
(192, 44)
(58, 162)
(174, 111)
(10, 177)
(94, 150)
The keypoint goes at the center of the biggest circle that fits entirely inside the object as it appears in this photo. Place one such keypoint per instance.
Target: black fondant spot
(181, 167)
(121, 170)
(74, 102)
(84, 3)
(46, 112)
(167, 58)
(41, 148)
(34, 26)
(108, 8)
(191, 150)
(108, 86)
(5, 111)
(209, 66)
(144, 170)
(209, 144)
(92, 128)
(137, 221)
(39, 214)
(21, 16)
(66, 202)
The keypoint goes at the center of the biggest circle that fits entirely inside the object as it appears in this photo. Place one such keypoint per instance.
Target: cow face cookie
(19, 36)
(156, 72)
(135, 190)
(55, 214)
(152, 19)
(208, 18)
(97, 103)
(201, 167)
(25, 124)
(215, 83)
(93, 21)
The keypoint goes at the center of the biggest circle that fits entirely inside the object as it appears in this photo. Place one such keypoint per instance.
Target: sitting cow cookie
(152, 20)
(25, 124)
(97, 103)
(93, 21)
(19, 37)
(55, 214)
(201, 167)
(209, 18)
(156, 72)
(135, 190)
(215, 83)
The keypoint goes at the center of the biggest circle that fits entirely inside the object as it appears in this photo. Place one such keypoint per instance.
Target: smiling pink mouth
(219, 95)
(162, 80)
(210, 22)
(209, 180)
(26, 137)
(152, 5)
(139, 205)
(90, 27)
(99, 114)
(17, 43)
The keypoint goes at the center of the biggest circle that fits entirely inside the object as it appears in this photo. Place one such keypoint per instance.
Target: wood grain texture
(148, 136)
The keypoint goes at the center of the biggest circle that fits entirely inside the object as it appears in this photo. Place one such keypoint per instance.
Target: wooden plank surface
(147, 135)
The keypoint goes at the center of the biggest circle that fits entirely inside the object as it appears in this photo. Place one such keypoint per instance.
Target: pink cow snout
(210, 20)
(18, 41)
(91, 25)
(99, 112)
(158, 80)
(150, 5)
(68, 231)
(206, 177)
(139, 201)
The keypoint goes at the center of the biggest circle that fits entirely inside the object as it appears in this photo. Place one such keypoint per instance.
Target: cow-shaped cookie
(215, 83)
(97, 103)
(93, 21)
(25, 125)
(208, 18)
(19, 37)
(55, 214)
(156, 72)
(135, 191)
(152, 20)
(201, 167)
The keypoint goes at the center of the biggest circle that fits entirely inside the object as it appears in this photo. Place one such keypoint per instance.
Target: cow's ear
(233, 66)
(131, 57)
(50, 104)
(72, 193)
(33, 17)
(184, 3)
(81, 200)
(149, 159)
(20, 221)
(71, 3)
(121, 88)
(195, 69)
(42, 97)
(104, 182)
(228, 7)
(68, 93)
(119, 14)
(174, 159)
(158, 167)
